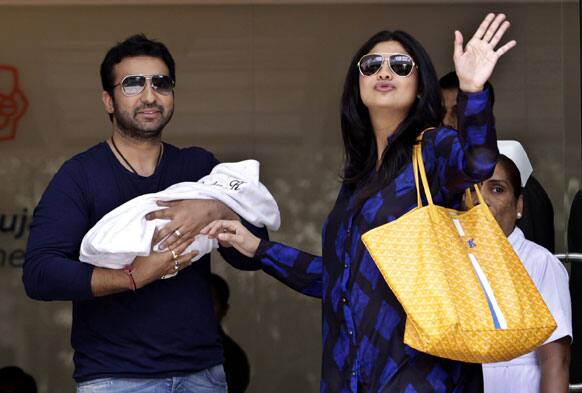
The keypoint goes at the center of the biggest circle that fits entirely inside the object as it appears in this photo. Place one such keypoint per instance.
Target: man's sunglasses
(399, 63)
(132, 85)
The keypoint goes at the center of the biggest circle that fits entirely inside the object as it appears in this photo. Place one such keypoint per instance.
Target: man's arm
(554, 361)
(187, 217)
(143, 271)
(52, 270)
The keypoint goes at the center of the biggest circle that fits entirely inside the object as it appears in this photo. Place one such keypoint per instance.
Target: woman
(390, 95)
(546, 368)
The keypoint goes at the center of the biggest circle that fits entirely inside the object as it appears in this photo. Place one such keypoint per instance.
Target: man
(449, 85)
(537, 222)
(133, 331)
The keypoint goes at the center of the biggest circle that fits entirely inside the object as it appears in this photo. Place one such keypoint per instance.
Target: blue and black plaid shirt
(363, 322)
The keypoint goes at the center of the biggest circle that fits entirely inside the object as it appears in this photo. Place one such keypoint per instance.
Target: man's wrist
(106, 281)
(224, 212)
(140, 277)
(129, 271)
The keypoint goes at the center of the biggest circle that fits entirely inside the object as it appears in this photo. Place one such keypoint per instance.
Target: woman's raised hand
(475, 63)
(232, 233)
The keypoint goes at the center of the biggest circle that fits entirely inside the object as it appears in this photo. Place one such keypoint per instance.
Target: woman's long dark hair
(358, 134)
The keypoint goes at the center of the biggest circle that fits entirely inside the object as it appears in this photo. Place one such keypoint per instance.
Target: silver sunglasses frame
(386, 59)
(147, 78)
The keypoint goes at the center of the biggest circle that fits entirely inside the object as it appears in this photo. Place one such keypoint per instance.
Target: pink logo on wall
(13, 103)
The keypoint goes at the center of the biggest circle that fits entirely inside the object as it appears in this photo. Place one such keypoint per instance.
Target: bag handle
(415, 171)
(469, 198)
(418, 168)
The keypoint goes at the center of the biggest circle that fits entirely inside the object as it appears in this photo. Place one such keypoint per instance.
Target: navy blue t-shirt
(166, 328)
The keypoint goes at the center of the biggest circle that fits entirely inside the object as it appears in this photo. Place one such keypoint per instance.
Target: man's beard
(129, 126)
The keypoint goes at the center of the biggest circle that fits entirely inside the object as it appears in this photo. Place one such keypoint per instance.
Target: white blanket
(124, 233)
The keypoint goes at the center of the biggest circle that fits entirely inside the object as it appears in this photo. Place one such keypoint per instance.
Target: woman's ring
(176, 265)
(178, 233)
(174, 255)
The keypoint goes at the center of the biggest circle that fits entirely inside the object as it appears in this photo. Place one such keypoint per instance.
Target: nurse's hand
(232, 233)
(475, 63)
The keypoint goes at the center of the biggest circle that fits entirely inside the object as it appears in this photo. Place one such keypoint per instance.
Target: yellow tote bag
(466, 294)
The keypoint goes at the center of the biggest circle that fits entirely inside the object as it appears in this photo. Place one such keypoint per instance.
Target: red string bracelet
(129, 272)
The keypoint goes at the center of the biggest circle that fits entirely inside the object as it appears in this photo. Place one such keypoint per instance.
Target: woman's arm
(554, 361)
(551, 279)
(469, 155)
(297, 269)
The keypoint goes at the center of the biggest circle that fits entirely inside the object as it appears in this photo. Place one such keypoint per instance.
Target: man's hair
(136, 45)
(451, 81)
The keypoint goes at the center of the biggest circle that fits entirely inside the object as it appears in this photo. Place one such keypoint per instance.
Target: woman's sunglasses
(399, 63)
(132, 85)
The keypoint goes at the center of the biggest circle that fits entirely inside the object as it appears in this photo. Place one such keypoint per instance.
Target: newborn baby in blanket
(124, 233)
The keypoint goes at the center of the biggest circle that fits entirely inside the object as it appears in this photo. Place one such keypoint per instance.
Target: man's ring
(174, 255)
(178, 234)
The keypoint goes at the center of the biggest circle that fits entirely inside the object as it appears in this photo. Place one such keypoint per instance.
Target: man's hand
(187, 217)
(144, 270)
(158, 264)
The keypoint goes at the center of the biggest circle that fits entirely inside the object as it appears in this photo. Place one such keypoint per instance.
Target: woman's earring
(518, 216)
